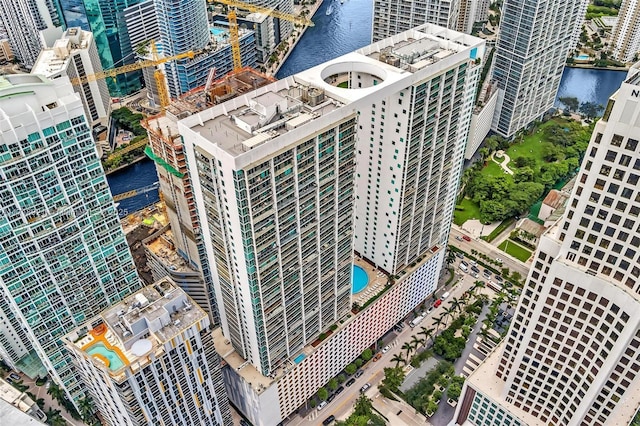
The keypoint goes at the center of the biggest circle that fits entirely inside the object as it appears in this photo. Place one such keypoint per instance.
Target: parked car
(329, 420)
(359, 373)
(438, 303)
(499, 279)
(14, 376)
(350, 381)
(322, 405)
(377, 357)
(9, 380)
(498, 260)
(386, 349)
(458, 238)
(339, 390)
(460, 255)
(466, 238)
(365, 387)
(331, 397)
(487, 273)
(475, 269)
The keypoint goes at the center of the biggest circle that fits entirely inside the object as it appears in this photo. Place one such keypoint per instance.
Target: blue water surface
(360, 279)
(348, 28)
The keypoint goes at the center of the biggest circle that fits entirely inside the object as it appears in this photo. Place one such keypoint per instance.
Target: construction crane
(234, 39)
(158, 75)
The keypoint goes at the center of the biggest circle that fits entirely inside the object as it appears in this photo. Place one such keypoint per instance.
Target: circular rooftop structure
(353, 75)
(141, 347)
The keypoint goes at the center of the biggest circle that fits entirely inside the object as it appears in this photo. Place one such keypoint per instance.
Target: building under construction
(166, 150)
(217, 91)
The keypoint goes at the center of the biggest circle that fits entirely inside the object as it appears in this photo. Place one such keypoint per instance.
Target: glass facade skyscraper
(63, 255)
(105, 19)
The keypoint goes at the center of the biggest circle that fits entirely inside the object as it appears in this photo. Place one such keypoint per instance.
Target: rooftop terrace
(159, 311)
(245, 122)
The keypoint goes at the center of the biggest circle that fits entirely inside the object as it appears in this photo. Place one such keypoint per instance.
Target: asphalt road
(488, 249)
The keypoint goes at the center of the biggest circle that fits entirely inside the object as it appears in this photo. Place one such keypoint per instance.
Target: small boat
(330, 10)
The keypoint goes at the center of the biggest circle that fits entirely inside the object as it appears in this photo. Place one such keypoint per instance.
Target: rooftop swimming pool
(114, 361)
(299, 358)
(220, 34)
(359, 280)
(582, 57)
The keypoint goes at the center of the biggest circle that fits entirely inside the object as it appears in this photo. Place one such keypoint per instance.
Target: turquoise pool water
(114, 360)
(360, 279)
(299, 358)
(219, 34)
(582, 57)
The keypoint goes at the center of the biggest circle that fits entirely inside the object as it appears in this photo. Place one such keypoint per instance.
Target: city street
(488, 249)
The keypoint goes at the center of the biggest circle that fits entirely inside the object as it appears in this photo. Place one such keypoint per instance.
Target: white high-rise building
(63, 255)
(571, 354)
(150, 360)
(277, 188)
(625, 40)
(534, 39)
(395, 16)
(75, 55)
(22, 20)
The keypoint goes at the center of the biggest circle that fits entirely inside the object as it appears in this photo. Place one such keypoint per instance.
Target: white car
(385, 349)
(498, 260)
(322, 405)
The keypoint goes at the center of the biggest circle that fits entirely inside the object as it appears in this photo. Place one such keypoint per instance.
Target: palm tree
(437, 322)
(397, 358)
(476, 285)
(447, 312)
(56, 392)
(427, 333)
(86, 407)
(456, 304)
(416, 342)
(451, 257)
(407, 347)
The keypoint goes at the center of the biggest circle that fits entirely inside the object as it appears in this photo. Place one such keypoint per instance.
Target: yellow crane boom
(300, 20)
(131, 67)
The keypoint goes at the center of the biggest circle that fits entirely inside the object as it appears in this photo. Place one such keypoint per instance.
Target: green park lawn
(464, 211)
(529, 146)
(515, 250)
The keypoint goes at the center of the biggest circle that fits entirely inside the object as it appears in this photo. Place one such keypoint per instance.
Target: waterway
(348, 28)
(136, 176)
(589, 85)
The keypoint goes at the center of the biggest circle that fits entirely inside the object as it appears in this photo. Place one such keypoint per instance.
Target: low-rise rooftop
(163, 247)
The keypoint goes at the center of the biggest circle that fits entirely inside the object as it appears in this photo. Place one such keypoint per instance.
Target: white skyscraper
(277, 188)
(395, 16)
(535, 37)
(571, 354)
(75, 55)
(149, 360)
(625, 40)
(63, 255)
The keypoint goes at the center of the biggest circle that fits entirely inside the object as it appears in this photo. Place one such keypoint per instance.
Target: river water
(136, 176)
(589, 85)
(348, 28)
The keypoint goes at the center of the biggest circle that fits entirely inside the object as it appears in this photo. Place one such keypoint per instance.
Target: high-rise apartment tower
(63, 255)
(625, 40)
(286, 176)
(535, 37)
(395, 16)
(571, 354)
(149, 360)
